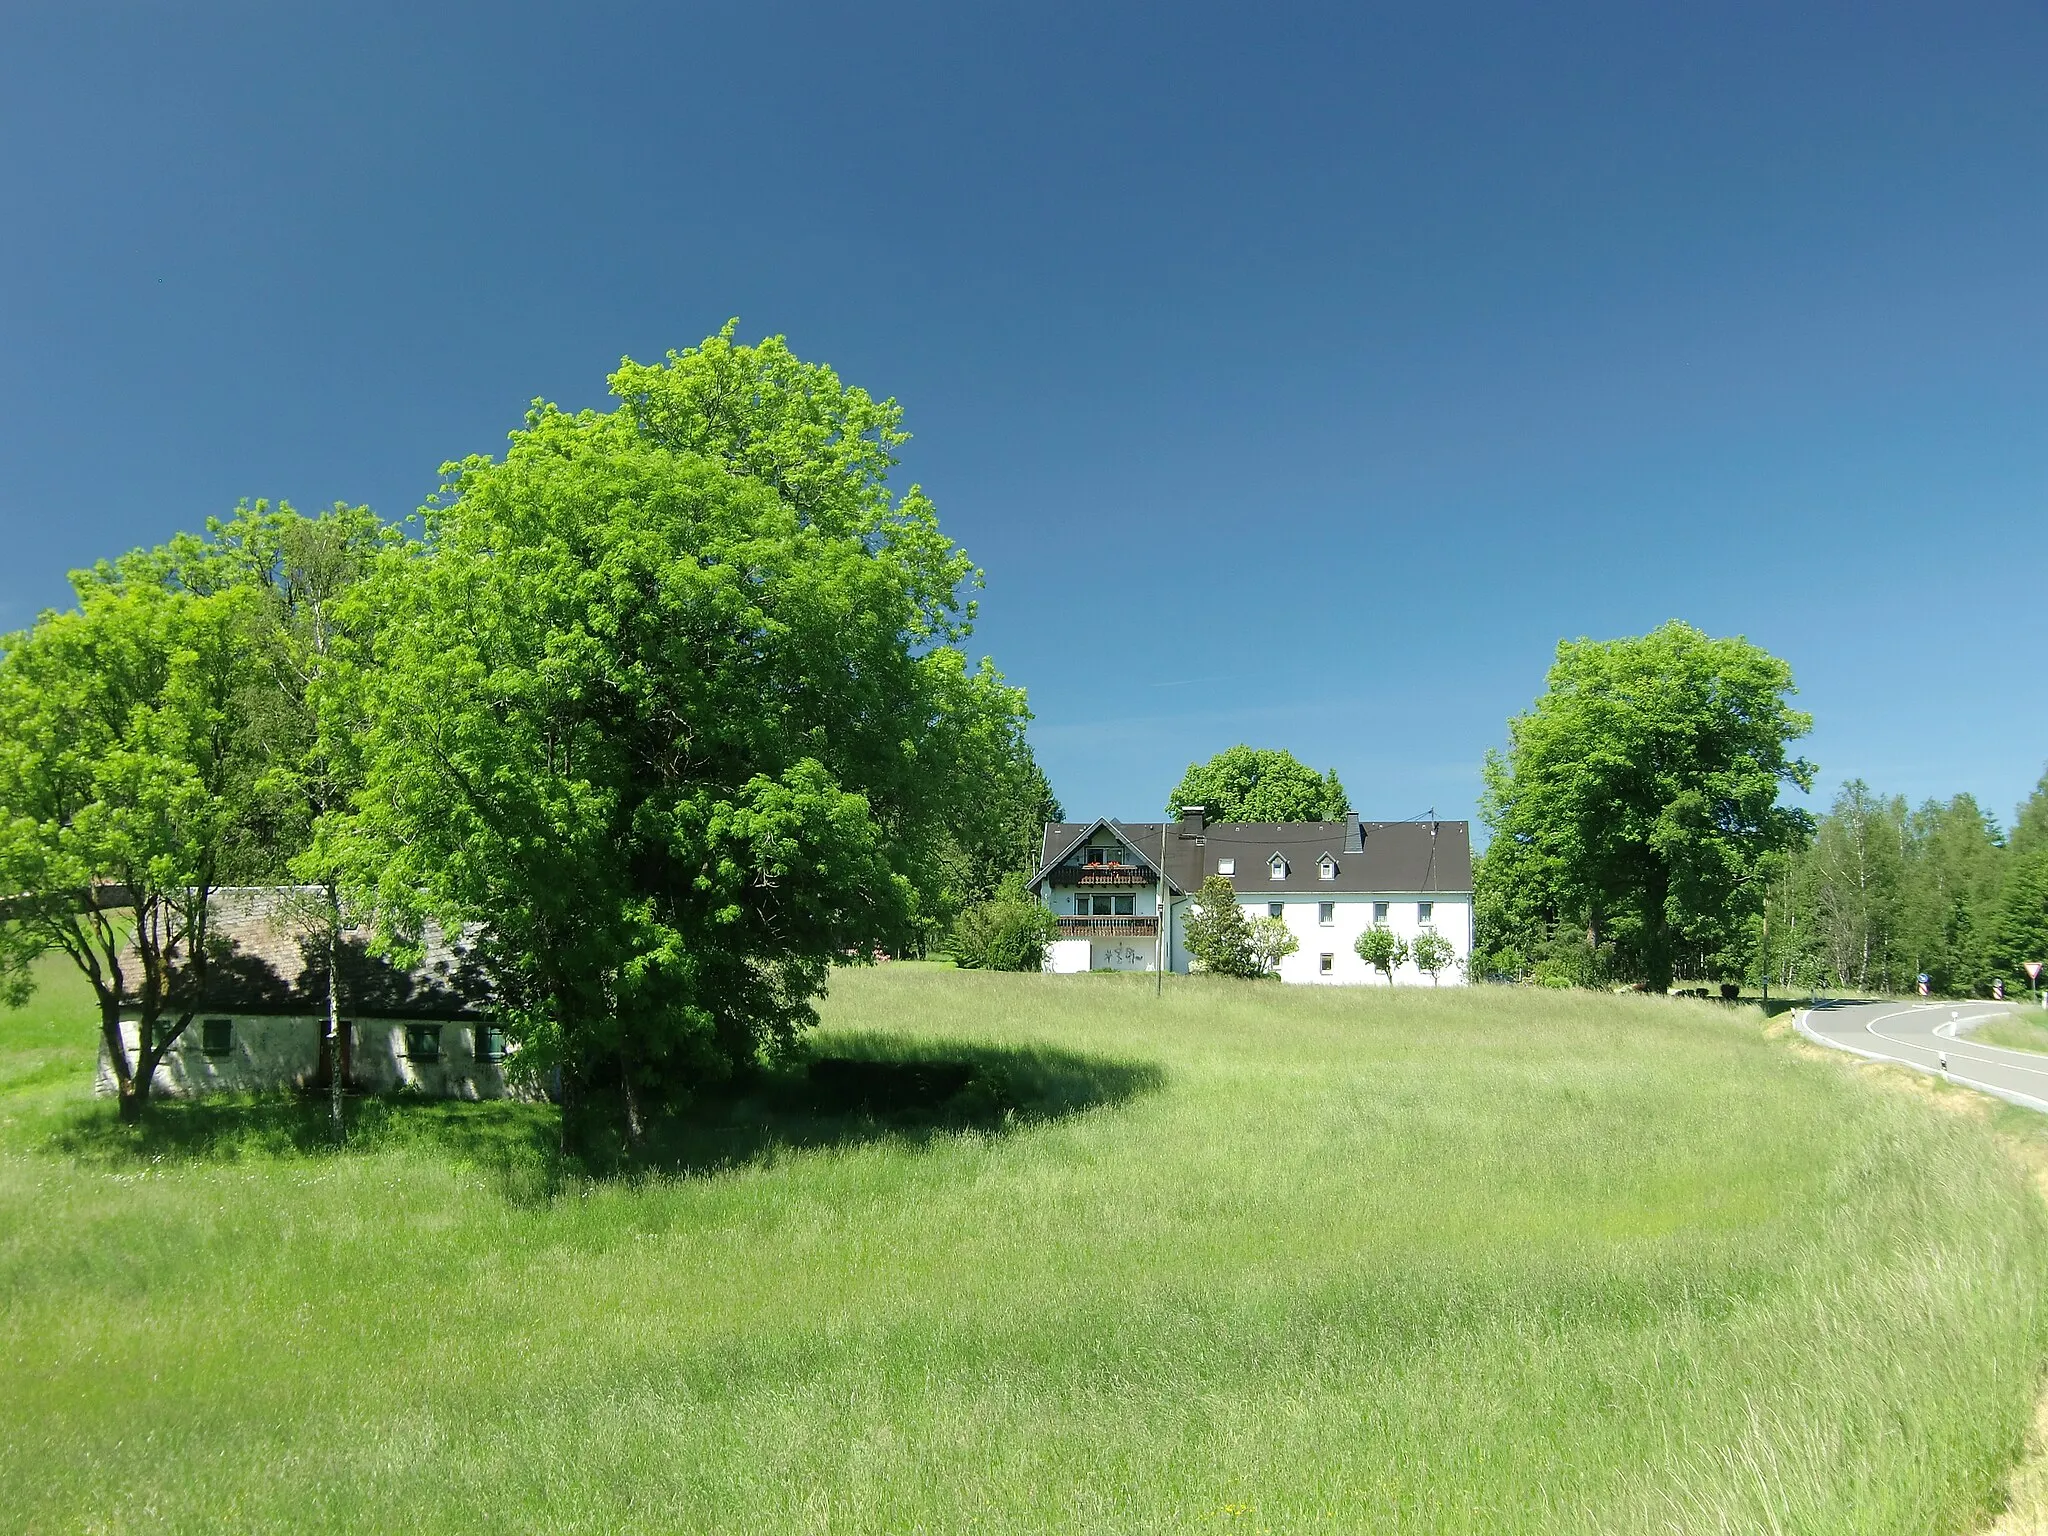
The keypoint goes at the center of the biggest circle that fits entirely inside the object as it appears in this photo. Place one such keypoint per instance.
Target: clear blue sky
(1299, 375)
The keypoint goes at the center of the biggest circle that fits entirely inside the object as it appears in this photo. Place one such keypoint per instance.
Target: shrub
(1217, 935)
(1008, 932)
(1271, 942)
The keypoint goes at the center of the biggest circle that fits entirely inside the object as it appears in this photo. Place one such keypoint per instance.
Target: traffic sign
(2033, 969)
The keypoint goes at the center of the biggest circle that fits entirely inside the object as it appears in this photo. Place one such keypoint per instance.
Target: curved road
(1923, 1036)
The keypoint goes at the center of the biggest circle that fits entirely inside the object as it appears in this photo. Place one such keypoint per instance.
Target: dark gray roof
(1397, 857)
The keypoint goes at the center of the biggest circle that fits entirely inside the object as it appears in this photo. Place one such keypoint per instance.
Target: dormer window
(1327, 869)
(1278, 865)
(1226, 866)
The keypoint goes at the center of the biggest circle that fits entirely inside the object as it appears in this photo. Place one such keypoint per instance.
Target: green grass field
(2019, 1031)
(1241, 1259)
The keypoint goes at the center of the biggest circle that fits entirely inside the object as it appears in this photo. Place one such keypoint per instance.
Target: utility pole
(1162, 915)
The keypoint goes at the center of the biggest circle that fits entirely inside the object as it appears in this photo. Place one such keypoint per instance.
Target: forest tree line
(1886, 892)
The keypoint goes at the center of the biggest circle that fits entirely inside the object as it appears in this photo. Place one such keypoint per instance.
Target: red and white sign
(2033, 969)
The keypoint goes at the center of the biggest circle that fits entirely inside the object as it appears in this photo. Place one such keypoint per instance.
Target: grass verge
(2016, 1031)
(1242, 1258)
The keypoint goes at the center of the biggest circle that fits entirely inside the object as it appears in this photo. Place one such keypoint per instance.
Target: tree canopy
(1637, 801)
(127, 766)
(1259, 784)
(675, 717)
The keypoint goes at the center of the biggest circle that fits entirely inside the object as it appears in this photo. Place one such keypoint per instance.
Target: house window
(1279, 867)
(217, 1036)
(423, 1042)
(490, 1043)
(1326, 914)
(1379, 911)
(1226, 866)
(1276, 909)
(1423, 910)
(1094, 855)
(1105, 906)
(1328, 868)
(1327, 964)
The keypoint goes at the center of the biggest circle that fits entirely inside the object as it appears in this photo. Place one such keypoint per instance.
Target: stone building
(263, 1020)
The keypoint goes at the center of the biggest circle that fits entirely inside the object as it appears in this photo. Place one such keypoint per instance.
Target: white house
(263, 1021)
(1110, 882)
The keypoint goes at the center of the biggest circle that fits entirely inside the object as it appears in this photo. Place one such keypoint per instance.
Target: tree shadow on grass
(849, 1091)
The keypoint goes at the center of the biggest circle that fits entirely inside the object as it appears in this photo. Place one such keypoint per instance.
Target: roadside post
(2034, 978)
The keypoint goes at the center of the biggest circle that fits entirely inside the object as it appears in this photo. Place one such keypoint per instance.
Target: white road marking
(1803, 1022)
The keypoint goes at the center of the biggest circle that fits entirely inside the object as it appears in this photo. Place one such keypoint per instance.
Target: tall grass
(1242, 1258)
(2026, 1031)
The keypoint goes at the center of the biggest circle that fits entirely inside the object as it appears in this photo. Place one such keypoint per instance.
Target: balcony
(1127, 875)
(1109, 927)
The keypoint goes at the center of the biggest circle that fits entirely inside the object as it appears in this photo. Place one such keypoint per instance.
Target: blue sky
(1299, 375)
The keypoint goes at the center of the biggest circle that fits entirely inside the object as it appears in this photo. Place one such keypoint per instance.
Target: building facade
(262, 1023)
(1121, 891)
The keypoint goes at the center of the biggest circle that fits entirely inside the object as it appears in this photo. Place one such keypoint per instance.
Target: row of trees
(666, 709)
(1885, 894)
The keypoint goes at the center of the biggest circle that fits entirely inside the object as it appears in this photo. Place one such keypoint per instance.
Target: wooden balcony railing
(1109, 927)
(1100, 874)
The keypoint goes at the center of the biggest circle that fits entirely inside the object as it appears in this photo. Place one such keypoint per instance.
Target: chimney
(1192, 821)
(1354, 835)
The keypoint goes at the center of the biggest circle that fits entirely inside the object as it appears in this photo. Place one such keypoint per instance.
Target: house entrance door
(323, 1079)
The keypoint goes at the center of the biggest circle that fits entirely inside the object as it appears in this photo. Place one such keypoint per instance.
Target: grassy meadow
(2019, 1031)
(1043, 1253)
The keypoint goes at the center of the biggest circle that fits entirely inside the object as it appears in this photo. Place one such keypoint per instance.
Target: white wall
(1063, 957)
(269, 1052)
(1450, 916)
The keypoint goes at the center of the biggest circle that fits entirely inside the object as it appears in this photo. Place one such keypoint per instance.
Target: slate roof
(262, 963)
(1395, 857)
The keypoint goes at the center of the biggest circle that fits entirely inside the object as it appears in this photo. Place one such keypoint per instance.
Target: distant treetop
(1259, 784)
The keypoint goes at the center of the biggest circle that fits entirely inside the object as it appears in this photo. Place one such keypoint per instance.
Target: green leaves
(659, 712)
(1217, 934)
(1259, 784)
(1641, 792)
(1382, 949)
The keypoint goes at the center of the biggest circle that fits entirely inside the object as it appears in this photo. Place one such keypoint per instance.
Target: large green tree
(672, 708)
(126, 770)
(1259, 784)
(1640, 794)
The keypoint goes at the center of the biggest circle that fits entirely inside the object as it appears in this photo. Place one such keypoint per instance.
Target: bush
(1217, 935)
(1008, 932)
(1271, 942)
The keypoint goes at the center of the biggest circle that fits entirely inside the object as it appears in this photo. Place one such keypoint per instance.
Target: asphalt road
(1923, 1035)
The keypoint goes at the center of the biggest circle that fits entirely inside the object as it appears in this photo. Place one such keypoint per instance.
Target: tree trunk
(1656, 933)
(151, 1049)
(636, 1129)
(117, 1053)
(336, 1052)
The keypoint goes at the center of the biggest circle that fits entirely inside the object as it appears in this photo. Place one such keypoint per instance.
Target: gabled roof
(1057, 836)
(1394, 858)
